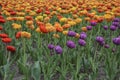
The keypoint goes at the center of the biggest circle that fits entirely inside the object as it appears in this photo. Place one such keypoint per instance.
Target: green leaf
(35, 71)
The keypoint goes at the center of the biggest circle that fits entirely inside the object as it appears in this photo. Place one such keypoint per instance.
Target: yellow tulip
(31, 27)
(72, 23)
(25, 34)
(16, 26)
(78, 20)
(38, 29)
(39, 18)
(20, 18)
(56, 36)
(63, 20)
(65, 32)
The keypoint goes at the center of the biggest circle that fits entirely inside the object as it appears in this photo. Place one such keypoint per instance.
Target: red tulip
(3, 35)
(6, 40)
(47, 12)
(28, 18)
(43, 29)
(2, 21)
(11, 48)
(38, 11)
(18, 35)
(1, 17)
(13, 13)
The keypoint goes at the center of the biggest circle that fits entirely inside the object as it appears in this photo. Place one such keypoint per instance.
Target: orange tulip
(84, 29)
(58, 27)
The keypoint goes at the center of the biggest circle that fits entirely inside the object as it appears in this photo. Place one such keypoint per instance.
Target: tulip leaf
(35, 71)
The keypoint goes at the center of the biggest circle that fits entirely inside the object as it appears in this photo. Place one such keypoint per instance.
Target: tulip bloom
(38, 11)
(56, 36)
(71, 33)
(105, 27)
(93, 22)
(99, 39)
(51, 46)
(43, 28)
(58, 49)
(83, 35)
(13, 13)
(3, 35)
(116, 20)
(6, 40)
(58, 27)
(106, 46)
(113, 28)
(89, 27)
(11, 48)
(28, 18)
(70, 44)
(2, 21)
(25, 34)
(65, 26)
(16, 26)
(116, 41)
(82, 42)
(84, 29)
(18, 35)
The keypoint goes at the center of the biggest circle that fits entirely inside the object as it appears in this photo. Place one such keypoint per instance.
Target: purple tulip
(82, 33)
(115, 24)
(89, 27)
(99, 39)
(50, 46)
(83, 36)
(116, 20)
(106, 46)
(82, 42)
(70, 44)
(102, 43)
(105, 27)
(58, 49)
(93, 23)
(71, 33)
(113, 28)
(116, 41)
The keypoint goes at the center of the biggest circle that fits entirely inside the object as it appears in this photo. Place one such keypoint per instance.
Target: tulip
(11, 48)
(105, 27)
(3, 35)
(89, 27)
(83, 36)
(82, 42)
(58, 49)
(70, 44)
(6, 40)
(99, 39)
(51, 46)
(71, 33)
(113, 28)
